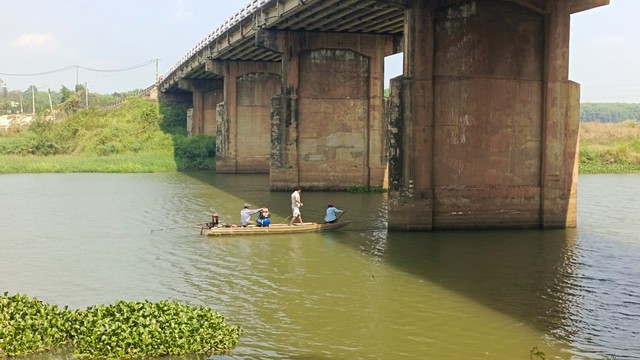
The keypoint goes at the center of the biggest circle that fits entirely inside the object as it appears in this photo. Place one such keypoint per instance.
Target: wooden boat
(307, 227)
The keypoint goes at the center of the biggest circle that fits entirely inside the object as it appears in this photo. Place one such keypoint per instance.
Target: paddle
(177, 227)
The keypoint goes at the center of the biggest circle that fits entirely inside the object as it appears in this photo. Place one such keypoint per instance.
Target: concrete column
(560, 126)
(411, 125)
(245, 129)
(332, 132)
(205, 96)
(484, 122)
(285, 170)
(561, 119)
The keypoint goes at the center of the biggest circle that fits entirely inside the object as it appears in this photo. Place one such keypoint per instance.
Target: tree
(80, 89)
(609, 112)
(65, 94)
(71, 105)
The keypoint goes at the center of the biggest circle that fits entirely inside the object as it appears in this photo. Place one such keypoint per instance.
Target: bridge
(480, 130)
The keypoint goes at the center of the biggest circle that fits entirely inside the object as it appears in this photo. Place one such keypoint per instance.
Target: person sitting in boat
(245, 214)
(215, 221)
(330, 216)
(263, 218)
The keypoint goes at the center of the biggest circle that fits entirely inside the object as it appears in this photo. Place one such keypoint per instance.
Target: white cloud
(35, 40)
(182, 16)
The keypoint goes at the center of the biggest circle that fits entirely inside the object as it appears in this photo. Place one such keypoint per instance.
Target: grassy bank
(119, 163)
(140, 136)
(610, 148)
(137, 137)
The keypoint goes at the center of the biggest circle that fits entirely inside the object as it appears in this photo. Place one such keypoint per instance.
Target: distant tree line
(609, 112)
(67, 101)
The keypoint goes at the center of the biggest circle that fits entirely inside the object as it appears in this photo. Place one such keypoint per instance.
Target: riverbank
(138, 137)
(142, 136)
(610, 148)
(120, 163)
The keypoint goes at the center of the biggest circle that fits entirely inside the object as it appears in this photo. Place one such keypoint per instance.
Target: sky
(120, 45)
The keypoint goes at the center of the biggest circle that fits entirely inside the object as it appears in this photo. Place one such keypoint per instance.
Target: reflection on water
(362, 292)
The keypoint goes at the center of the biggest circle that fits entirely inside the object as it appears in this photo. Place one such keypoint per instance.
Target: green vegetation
(29, 325)
(121, 330)
(141, 136)
(609, 112)
(62, 103)
(612, 148)
(134, 137)
(366, 189)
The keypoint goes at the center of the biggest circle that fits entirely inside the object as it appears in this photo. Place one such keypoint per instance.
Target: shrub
(195, 152)
(174, 117)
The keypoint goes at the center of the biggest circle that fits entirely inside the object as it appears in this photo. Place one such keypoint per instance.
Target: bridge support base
(484, 123)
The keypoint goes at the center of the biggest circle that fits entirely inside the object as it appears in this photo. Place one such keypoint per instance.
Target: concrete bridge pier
(243, 136)
(205, 95)
(484, 121)
(328, 126)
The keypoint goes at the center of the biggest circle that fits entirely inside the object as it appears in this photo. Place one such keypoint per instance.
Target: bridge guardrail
(247, 10)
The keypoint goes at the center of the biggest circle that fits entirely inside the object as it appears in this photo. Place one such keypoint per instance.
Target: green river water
(358, 293)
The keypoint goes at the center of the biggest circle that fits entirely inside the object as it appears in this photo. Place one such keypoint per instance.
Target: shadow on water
(526, 274)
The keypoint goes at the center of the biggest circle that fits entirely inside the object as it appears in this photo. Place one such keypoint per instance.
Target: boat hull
(272, 229)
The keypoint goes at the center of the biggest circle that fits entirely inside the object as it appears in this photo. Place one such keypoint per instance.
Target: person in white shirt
(245, 214)
(296, 204)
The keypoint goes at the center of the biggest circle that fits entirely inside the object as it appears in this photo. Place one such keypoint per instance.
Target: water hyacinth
(120, 330)
(30, 325)
(136, 329)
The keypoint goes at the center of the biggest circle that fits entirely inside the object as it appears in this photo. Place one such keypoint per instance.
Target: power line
(129, 68)
(42, 73)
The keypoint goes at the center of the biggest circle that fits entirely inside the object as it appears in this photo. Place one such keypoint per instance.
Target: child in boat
(263, 218)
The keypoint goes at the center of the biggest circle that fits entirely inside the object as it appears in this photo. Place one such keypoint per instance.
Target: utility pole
(51, 106)
(33, 98)
(157, 76)
(86, 96)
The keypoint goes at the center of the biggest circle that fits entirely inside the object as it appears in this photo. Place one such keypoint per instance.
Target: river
(358, 293)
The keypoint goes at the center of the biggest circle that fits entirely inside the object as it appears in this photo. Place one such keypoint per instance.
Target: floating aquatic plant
(120, 330)
(29, 325)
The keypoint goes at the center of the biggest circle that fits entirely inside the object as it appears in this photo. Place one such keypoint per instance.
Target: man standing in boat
(296, 204)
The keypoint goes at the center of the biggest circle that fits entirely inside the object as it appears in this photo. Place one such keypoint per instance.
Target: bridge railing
(241, 14)
(144, 92)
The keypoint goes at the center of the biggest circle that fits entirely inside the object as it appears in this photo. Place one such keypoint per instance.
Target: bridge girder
(238, 42)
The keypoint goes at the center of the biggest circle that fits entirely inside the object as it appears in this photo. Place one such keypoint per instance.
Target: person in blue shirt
(330, 217)
(263, 218)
